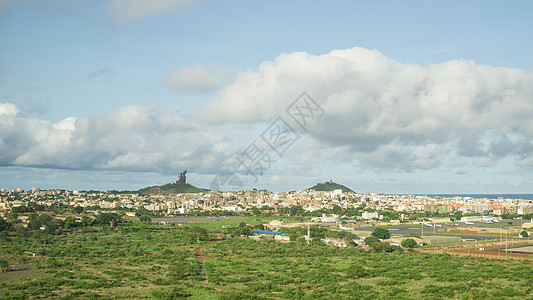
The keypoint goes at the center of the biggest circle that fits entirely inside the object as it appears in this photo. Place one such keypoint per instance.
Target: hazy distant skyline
(418, 97)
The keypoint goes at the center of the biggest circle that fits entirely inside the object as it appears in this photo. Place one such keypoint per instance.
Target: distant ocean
(488, 196)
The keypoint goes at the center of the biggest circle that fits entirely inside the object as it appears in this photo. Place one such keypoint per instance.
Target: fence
(473, 250)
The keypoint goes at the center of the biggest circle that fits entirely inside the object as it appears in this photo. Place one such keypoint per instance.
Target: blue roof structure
(267, 232)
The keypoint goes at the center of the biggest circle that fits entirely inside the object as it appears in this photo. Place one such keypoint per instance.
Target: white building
(370, 215)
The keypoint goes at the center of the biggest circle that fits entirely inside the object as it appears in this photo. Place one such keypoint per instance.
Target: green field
(134, 260)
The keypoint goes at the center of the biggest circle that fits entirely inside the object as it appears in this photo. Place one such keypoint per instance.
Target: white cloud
(130, 11)
(134, 138)
(8, 109)
(391, 114)
(200, 78)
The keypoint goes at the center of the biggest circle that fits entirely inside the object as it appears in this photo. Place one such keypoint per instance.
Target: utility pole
(500, 248)
(506, 242)
(308, 232)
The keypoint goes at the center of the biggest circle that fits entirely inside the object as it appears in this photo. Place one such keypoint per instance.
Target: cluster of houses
(232, 201)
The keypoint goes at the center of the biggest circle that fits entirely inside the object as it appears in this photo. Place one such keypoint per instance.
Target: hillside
(330, 186)
(171, 188)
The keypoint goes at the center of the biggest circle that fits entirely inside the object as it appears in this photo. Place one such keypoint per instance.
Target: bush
(371, 240)
(4, 265)
(356, 271)
(408, 243)
(384, 247)
(4, 225)
(381, 233)
(177, 270)
(145, 219)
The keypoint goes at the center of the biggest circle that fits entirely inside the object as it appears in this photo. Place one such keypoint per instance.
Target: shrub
(356, 271)
(371, 240)
(384, 247)
(381, 233)
(408, 243)
(4, 265)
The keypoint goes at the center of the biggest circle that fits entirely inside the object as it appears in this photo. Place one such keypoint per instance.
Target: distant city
(245, 200)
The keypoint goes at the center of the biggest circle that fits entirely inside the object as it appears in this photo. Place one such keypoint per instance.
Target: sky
(407, 97)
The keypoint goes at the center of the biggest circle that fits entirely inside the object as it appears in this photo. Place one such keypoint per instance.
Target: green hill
(171, 188)
(330, 186)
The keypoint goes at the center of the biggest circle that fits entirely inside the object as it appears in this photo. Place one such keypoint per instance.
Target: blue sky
(418, 96)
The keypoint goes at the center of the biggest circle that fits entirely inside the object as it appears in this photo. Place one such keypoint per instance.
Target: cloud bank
(390, 114)
(379, 114)
(135, 138)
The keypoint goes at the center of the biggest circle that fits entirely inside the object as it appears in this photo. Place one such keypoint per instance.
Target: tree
(408, 243)
(381, 233)
(384, 247)
(4, 265)
(177, 270)
(108, 219)
(77, 209)
(70, 222)
(524, 234)
(86, 221)
(296, 210)
(317, 241)
(316, 231)
(356, 271)
(36, 221)
(259, 227)
(198, 234)
(4, 225)
(4, 237)
(369, 241)
(145, 219)
(349, 237)
(293, 237)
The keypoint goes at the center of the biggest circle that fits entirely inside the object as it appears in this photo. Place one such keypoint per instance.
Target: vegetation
(381, 233)
(113, 258)
(171, 188)
(330, 186)
(408, 243)
(4, 265)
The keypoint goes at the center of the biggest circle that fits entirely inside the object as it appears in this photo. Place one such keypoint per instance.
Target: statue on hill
(183, 178)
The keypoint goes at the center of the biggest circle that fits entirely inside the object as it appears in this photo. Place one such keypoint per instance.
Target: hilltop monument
(183, 178)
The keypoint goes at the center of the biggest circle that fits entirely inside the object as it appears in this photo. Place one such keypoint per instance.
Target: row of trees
(50, 224)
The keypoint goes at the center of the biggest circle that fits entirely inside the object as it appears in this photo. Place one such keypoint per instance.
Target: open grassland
(158, 261)
(275, 270)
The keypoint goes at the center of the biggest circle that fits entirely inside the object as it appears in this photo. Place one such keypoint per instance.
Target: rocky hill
(171, 188)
